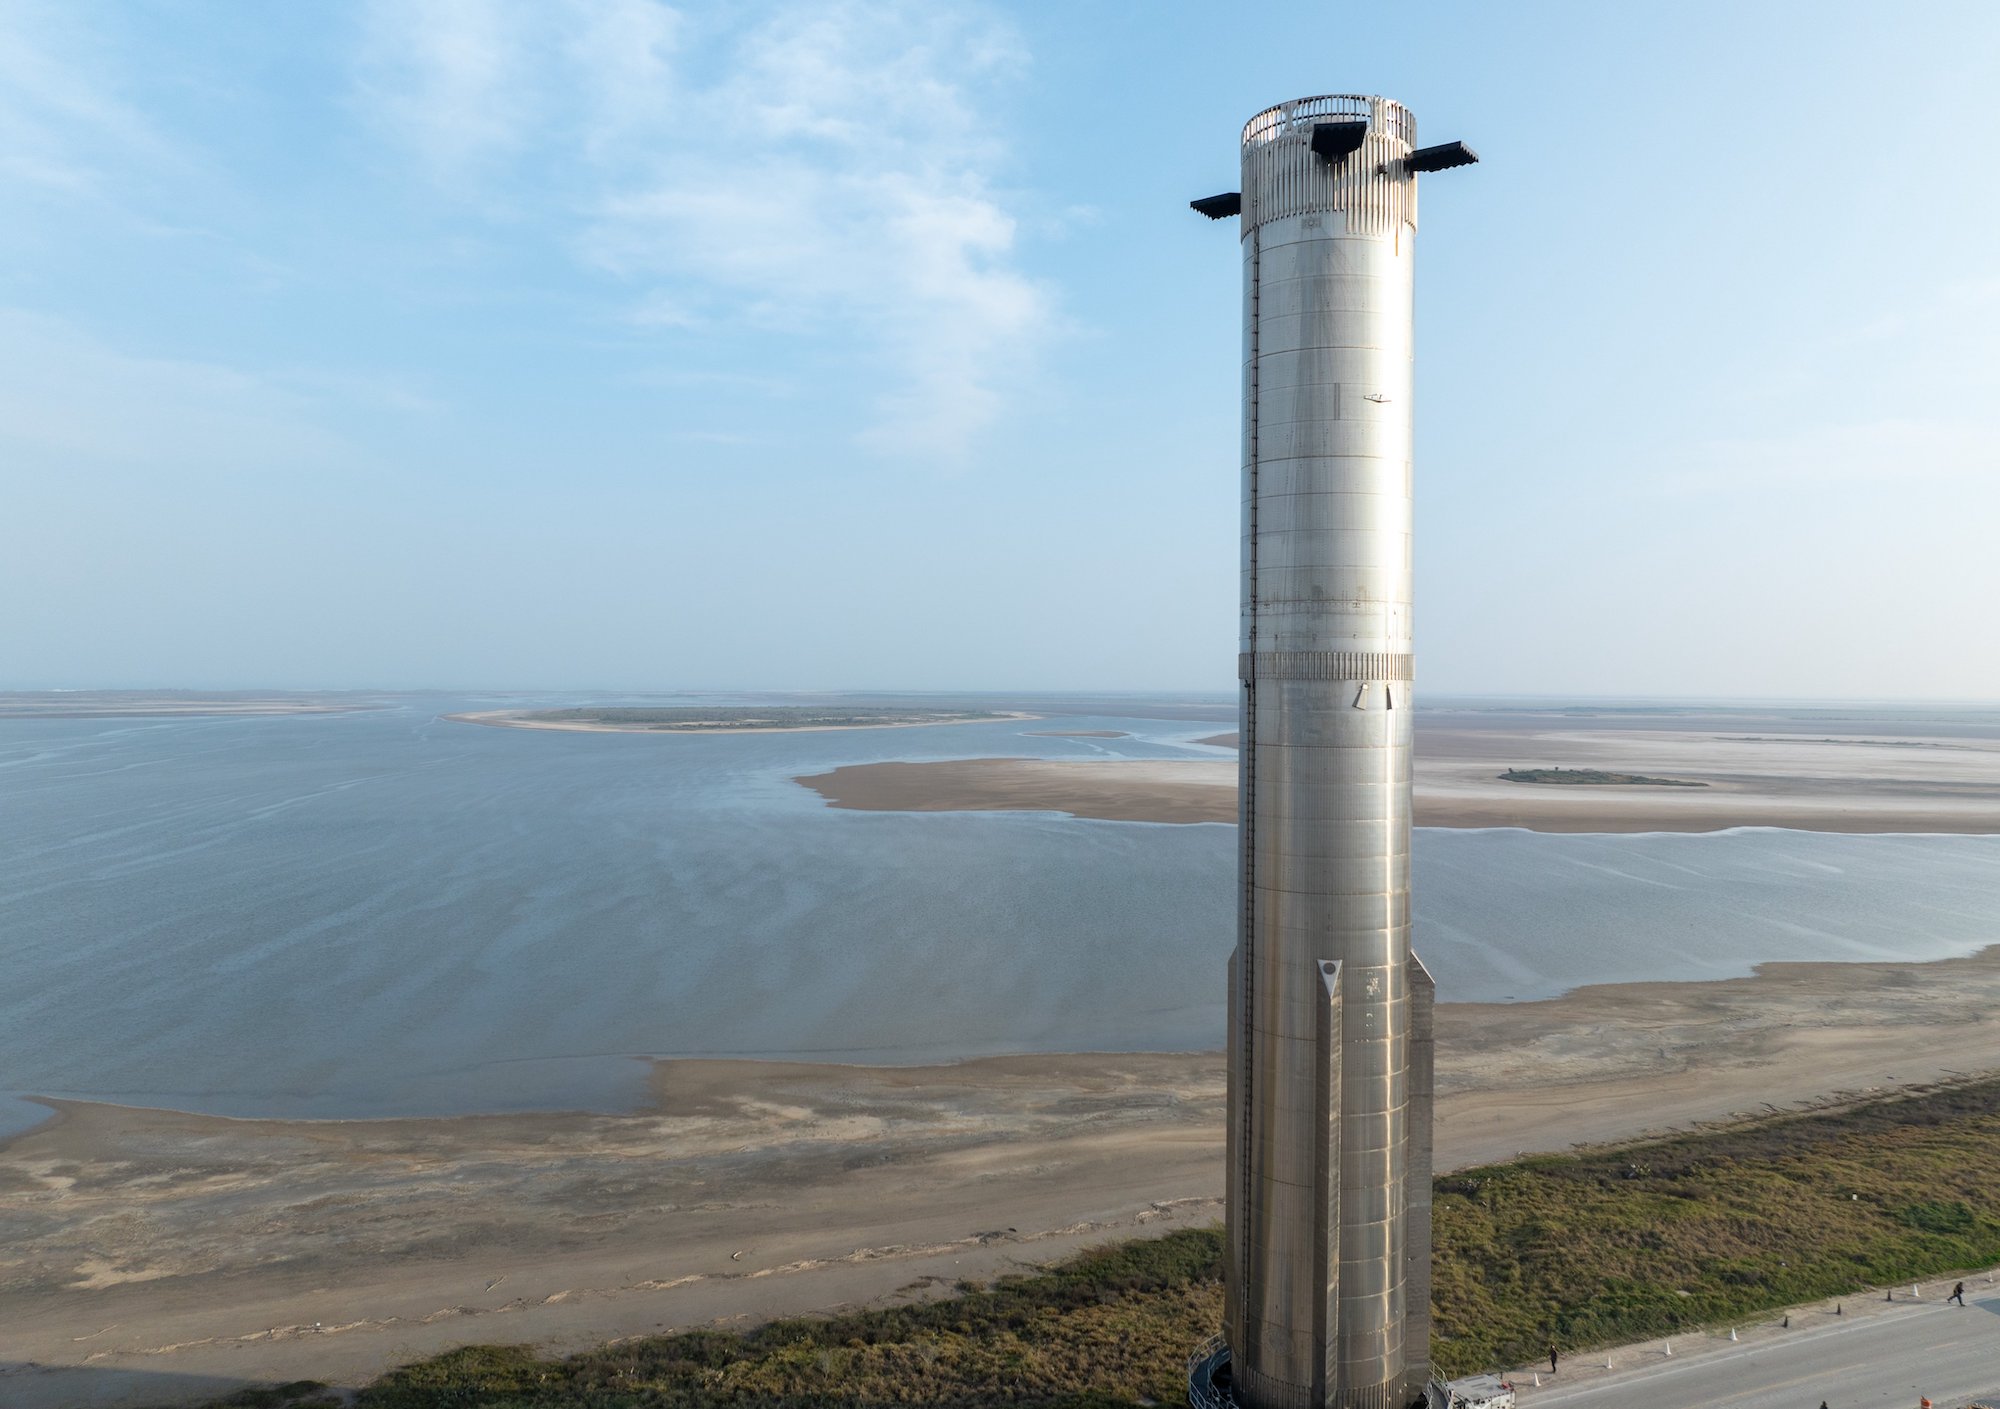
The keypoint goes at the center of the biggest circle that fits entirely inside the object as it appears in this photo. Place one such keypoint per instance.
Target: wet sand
(1882, 781)
(151, 1255)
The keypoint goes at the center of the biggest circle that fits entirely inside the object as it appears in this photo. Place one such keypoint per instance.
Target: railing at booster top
(1211, 1356)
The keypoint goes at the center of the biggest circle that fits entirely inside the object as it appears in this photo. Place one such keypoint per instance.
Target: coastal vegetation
(1595, 1248)
(1593, 777)
(1577, 1249)
(1699, 1230)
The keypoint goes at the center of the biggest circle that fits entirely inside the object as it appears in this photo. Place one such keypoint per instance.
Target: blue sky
(549, 344)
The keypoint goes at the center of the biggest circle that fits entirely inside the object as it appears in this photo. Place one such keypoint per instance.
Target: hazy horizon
(428, 345)
(1221, 695)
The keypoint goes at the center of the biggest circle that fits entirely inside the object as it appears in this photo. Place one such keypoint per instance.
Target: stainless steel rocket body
(1328, 1235)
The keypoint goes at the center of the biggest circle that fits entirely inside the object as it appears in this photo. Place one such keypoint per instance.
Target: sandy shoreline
(1908, 783)
(512, 719)
(151, 1253)
(112, 705)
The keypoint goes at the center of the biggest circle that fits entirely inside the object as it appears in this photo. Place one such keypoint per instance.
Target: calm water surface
(391, 913)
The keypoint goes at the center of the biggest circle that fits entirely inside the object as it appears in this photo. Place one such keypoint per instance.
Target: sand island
(1592, 778)
(719, 719)
(170, 704)
(1668, 770)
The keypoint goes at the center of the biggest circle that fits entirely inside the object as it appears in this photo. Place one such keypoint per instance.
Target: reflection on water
(360, 914)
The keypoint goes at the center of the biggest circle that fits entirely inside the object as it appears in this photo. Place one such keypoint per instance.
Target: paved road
(1888, 1356)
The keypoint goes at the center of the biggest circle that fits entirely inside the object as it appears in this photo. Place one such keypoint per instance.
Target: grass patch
(1112, 1327)
(299, 1394)
(1643, 1240)
(1579, 1250)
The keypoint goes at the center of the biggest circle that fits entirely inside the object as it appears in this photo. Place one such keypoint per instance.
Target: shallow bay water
(391, 913)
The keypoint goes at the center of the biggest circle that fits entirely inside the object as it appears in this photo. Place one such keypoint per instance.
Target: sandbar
(1118, 790)
(150, 1256)
(1877, 782)
(173, 704)
(516, 719)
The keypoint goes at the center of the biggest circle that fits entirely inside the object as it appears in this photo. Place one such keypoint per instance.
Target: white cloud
(68, 400)
(1958, 312)
(623, 52)
(1874, 452)
(844, 183)
(660, 309)
(1904, 395)
(828, 171)
(715, 437)
(450, 79)
(63, 125)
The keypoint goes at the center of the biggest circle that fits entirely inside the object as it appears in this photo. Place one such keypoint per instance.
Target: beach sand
(147, 1256)
(1890, 777)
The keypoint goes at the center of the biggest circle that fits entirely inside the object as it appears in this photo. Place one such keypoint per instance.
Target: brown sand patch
(1810, 784)
(1115, 790)
(285, 1249)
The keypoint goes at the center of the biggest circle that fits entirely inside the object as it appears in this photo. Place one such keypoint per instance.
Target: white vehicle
(1472, 1392)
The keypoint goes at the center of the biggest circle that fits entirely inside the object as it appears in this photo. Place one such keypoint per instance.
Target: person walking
(1552, 1360)
(1958, 1294)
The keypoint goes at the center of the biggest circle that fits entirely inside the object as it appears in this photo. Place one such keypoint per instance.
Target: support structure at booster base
(1328, 1261)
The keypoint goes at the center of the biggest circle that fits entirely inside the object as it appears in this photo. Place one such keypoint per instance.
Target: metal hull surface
(1328, 1235)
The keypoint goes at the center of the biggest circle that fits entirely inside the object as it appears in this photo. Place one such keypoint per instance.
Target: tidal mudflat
(427, 1034)
(385, 913)
(158, 1252)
